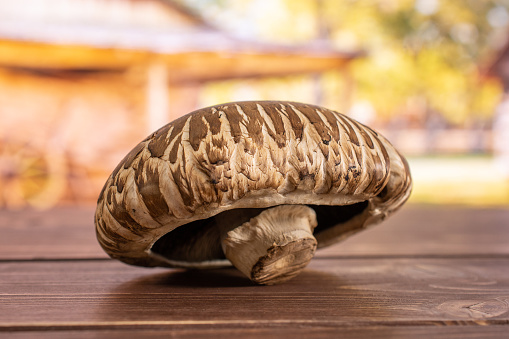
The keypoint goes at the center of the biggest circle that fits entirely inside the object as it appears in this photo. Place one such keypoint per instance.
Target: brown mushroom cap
(162, 204)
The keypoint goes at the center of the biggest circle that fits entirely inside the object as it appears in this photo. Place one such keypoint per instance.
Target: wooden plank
(414, 231)
(353, 292)
(403, 332)
(420, 230)
(64, 233)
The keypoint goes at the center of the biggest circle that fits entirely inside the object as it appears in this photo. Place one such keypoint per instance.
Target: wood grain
(426, 272)
(68, 233)
(62, 233)
(420, 230)
(331, 292)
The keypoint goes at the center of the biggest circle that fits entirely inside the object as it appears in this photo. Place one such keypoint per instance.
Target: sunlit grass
(460, 180)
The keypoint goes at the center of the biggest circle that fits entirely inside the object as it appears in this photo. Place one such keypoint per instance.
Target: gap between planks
(232, 324)
(325, 257)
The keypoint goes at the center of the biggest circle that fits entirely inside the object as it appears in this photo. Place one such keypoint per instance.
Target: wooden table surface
(440, 272)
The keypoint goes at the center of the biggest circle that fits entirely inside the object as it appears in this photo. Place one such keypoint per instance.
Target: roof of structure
(99, 34)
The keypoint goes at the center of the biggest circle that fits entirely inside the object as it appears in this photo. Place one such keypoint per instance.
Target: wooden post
(158, 103)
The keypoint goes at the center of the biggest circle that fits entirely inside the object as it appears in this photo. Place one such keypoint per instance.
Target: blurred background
(83, 81)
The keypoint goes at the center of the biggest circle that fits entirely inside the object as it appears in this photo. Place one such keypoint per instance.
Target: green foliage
(432, 56)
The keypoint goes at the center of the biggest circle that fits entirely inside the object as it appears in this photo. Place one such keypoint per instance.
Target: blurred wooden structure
(166, 43)
(88, 79)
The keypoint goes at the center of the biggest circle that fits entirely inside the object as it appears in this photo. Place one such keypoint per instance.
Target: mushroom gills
(203, 241)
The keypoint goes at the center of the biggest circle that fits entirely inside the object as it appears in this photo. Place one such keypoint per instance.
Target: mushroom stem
(273, 246)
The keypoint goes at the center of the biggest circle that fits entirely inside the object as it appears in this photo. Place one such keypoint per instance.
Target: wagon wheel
(30, 176)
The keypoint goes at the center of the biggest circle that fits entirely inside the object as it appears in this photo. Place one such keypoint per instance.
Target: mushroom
(258, 184)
